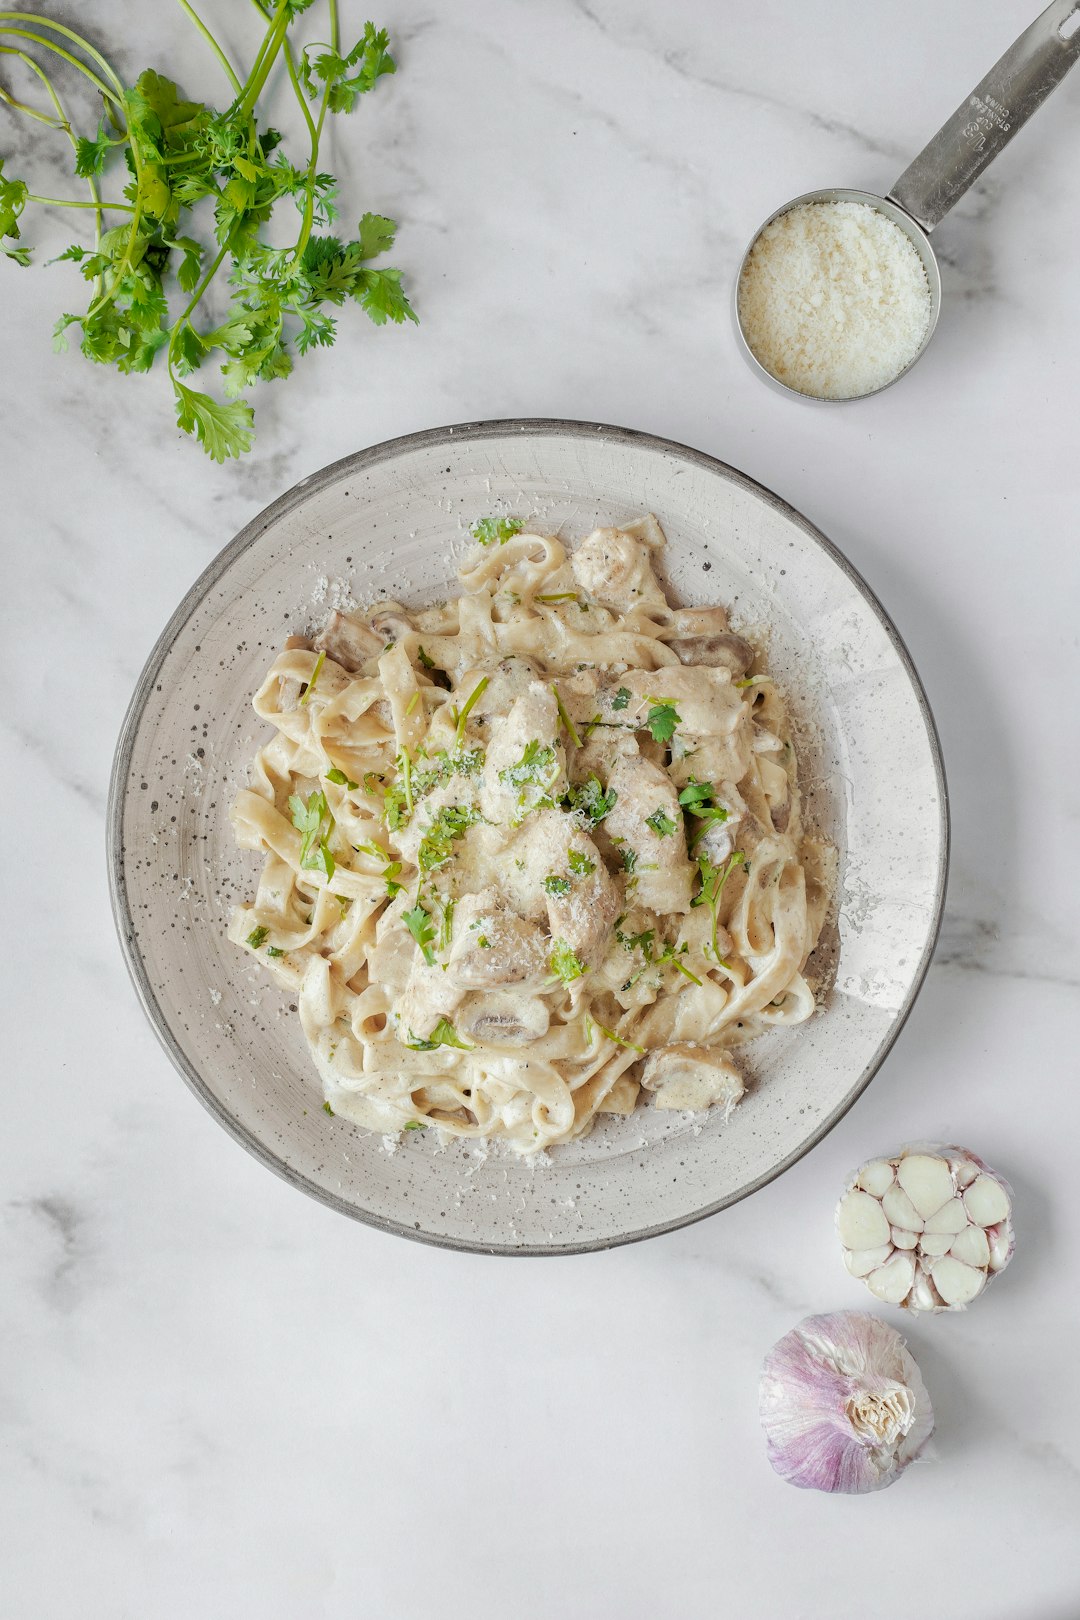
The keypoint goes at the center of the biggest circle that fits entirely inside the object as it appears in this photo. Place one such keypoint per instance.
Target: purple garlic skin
(843, 1404)
(926, 1228)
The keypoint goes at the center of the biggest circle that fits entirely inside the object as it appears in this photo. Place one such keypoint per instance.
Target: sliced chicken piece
(348, 643)
(692, 1077)
(429, 995)
(646, 806)
(554, 872)
(526, 760)
(615, 569)
(707, 702)
(493, 947)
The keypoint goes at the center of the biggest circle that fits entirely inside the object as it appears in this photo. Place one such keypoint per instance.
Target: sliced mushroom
(391, 622)
(692, 1077)
(503, 1019)
(349, 644)
(493, 946)
(723, 651)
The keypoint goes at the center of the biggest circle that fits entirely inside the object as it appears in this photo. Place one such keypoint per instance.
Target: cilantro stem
(214, 46)
(268, 53)
(196, 295)
(565, 718)
(478, 689)
(406, 780)
(73, 202)
(58, 50)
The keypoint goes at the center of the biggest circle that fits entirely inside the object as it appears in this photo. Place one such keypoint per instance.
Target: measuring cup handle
(987, 121)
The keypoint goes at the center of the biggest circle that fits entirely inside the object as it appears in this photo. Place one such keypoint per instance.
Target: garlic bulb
(927, 1228)
(843, 1404)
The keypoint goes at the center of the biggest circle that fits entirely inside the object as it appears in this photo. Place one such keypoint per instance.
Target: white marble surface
(217, 1398)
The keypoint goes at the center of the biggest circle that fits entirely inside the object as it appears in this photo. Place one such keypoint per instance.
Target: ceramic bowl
(392, 520)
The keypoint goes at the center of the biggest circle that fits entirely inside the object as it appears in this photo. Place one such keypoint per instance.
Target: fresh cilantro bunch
(178, 153)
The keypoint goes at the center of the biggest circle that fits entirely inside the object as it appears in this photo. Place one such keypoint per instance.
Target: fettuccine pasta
(532, 851)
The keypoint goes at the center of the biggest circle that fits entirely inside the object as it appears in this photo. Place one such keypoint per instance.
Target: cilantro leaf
(339, 779)
(556, 885)
(629, 858)
(533, 769)
(375, 235)
(580, 864)
(491, 529)
(564, 964)
(444, 1034)
(258, 937)
(90, 155)
(328, 1110)
(315, 823)
(621, 698)
(661, 720)
(222, 430)
(436, 846)
(422, 929)
(13, 194)
(589, 799)
(416, 1125)
(660, 822)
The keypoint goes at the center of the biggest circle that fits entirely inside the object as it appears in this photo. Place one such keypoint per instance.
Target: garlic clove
(901, 1211)
(971, 1246)
(922, 1296)
(927, 1180)
(892, 1281)
(1001, 1246)
(843, 1404)
(876, 1177)
(861, 1261)
(860, 1221)
(951, 1217)
(938, 1207)
(957, 1283)
(986, 1201)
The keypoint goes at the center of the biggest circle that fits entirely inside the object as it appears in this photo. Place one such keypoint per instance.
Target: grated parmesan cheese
(834, 300)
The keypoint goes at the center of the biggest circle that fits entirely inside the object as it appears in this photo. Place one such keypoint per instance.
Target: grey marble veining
(217, 1398)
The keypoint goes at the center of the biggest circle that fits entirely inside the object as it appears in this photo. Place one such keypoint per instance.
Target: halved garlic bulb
(927, 1228)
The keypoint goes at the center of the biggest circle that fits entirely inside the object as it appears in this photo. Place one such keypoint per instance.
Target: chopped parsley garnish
(580, 865)
(339, 779)
(422, 929)
(661, 720)
(533, 769)
(490, 529)
(444, 1034)
(628, 857)
(589, 798)
(483, 942)
(257, 938)
(558, 596)
(391, 872)
(436, 846)
(556, 885)
(328, 1110)
(373, 781)
(621, 698)
(272, 950)
(713, 879)
(565, 964)
(398, 798)
(447, 923)
(314, 822)
(417, 1125)
(314, 681)
(428, 663)
(660, 822)
(642, 942)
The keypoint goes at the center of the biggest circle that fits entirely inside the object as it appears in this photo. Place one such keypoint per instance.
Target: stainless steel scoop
(962, 148)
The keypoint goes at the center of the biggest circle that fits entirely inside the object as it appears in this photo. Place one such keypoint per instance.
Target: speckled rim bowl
(392, 520)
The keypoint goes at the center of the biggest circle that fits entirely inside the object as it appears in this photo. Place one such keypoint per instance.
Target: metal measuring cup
(981, 126)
